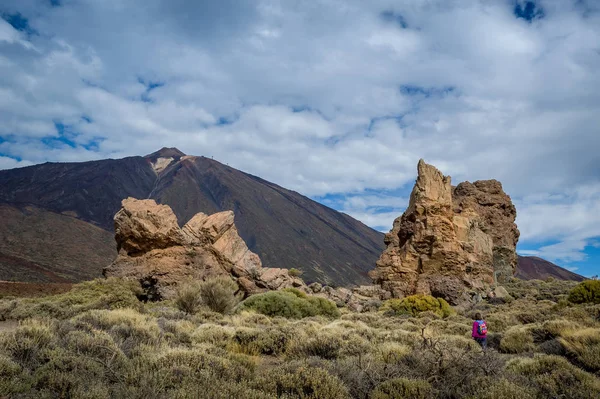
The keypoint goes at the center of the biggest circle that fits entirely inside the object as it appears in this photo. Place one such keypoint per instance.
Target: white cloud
(323, 97)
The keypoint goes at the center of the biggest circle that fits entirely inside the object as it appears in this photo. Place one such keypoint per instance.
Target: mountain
(534, 268)
(59, 217)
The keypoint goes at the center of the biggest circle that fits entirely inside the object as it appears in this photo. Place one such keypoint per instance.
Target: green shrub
(296, 291)
(128, 328)
(305, 382)
(219, 294)
(325, 346)
(415, 304)
(402, 388)
(12, 378)
(583, 346)
(27, 344)
(555, 377)
(66, 374)
(290, 305)
(586, 292)
(188, 298)
(294, 272)
(492, 388)
(517, 340)
(111, 293)
(255, 341)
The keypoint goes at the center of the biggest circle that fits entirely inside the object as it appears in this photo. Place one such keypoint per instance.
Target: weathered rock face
(486, 203)
(449, 241)
(156, 251)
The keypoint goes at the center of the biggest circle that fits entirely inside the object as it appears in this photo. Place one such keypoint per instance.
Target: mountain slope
(58, 219)
(285, 228)
(534, 268)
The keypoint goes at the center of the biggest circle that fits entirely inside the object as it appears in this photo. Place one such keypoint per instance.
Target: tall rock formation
(154, 250)
(449, 240)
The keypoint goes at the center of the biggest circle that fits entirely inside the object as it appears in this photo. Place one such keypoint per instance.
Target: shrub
(188, 298)
(294, 272)
(68, 374)
(128, 328)
(415, 304)
(111, 293)
(325, 346)
(586, 292)
(555, 377)
(288, 304)
(13, 380)
(491, 388)
(517, 340)
(28, 342)
(270, 341)
(584, 347)
(219, 294)
(392, 352)
(400, 388)
(305, 382)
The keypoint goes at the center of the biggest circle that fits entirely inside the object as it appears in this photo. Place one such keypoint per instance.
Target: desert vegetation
(99, 341)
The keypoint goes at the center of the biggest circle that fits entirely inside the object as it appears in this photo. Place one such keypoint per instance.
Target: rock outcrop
(156, 251)
(449, 241)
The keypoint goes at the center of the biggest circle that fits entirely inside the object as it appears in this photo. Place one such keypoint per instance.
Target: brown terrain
(534, 268)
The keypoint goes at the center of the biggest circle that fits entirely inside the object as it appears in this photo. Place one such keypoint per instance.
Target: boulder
(156, 251)
(449, 240)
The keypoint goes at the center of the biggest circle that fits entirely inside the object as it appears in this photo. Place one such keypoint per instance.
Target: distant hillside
(534, 268)
(61, 217)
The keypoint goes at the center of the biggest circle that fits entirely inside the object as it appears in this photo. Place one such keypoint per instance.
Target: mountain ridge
(285, 228)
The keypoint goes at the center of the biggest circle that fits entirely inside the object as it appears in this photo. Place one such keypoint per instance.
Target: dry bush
(303, 382)
(127, 327)
(517, 340)
(402, 388)
(391, 352)
(111, 293)
(555, 377)
(325, 346)
(219, 294)
(502, 388)
(13, 379)
(213, 334)
(415, 304)
(28, 343)
(257, 341)
(188, 298)
(583, 346)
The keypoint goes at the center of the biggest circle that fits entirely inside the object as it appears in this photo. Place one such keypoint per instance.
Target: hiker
(480, 331)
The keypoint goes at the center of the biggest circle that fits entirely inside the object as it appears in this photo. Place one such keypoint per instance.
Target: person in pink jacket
(479, 333)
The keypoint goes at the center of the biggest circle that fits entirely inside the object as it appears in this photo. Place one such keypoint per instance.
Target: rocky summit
(450, 241)
(154, 250)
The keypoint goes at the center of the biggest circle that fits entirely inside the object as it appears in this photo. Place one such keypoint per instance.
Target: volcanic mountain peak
(164, 157)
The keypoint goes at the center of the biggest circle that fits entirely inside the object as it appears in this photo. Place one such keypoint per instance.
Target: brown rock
(492, 208)
(142, 225)
(449, 240)
(152, 248)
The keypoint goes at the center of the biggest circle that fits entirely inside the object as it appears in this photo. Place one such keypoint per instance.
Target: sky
(335, 99)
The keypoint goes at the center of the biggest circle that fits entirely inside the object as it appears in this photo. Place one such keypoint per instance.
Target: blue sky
(336, 99)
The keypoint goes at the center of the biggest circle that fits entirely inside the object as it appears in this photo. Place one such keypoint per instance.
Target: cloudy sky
(337, 99)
